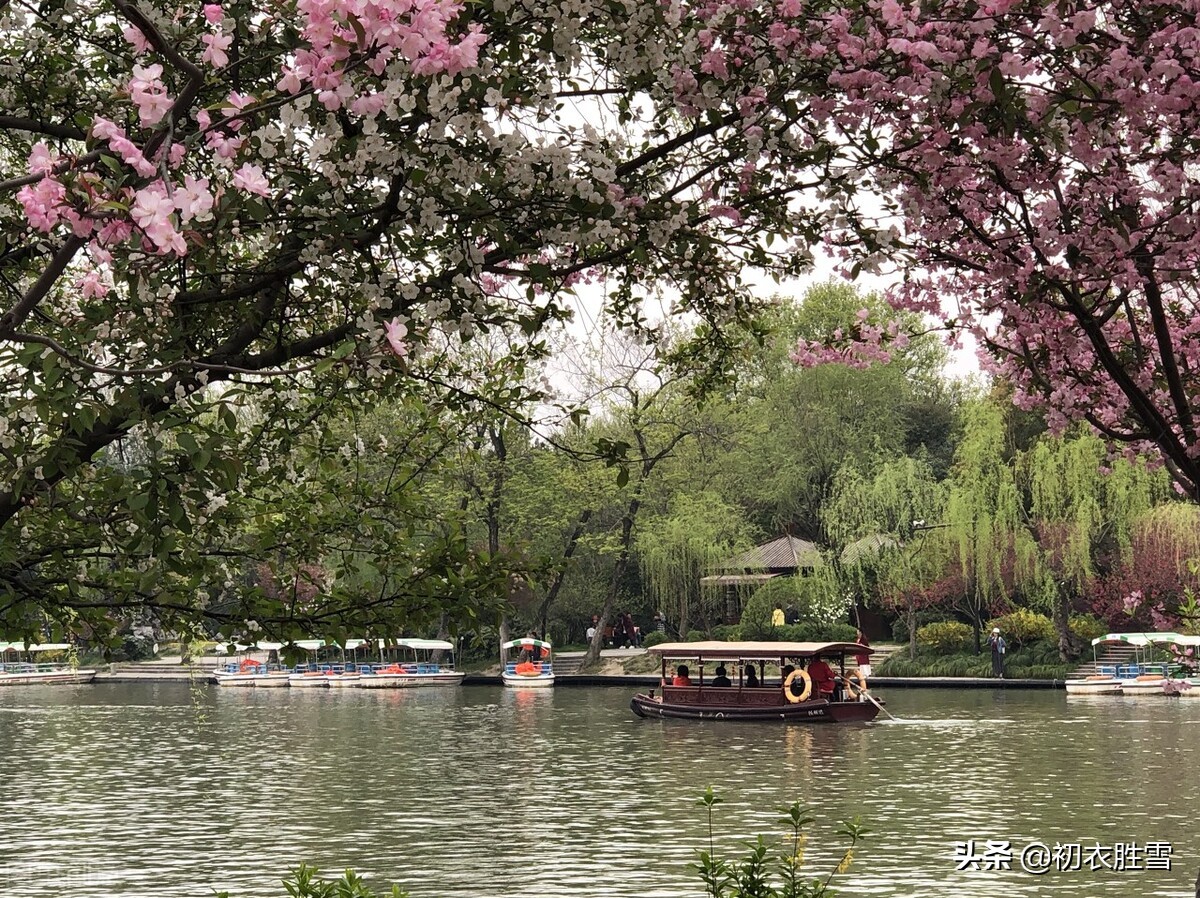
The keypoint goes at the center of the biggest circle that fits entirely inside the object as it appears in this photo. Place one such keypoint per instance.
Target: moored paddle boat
(751, 697)
(535, 669)
(31, 673)
(1097, 684)
(252, 672)
(420, 671)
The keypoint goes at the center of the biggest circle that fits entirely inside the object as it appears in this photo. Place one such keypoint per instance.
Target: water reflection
(139, 790)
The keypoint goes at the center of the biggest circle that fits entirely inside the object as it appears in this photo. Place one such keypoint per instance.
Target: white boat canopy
(309, 645)
(525, 641)
(269, 646)
(1138, 639)
(50, 647)
(430, 645)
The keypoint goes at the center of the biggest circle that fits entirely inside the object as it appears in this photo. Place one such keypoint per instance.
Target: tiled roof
(788, 552)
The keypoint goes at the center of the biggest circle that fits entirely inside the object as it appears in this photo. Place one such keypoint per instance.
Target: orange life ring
(791, 678)
(855, 683)
(248, 664)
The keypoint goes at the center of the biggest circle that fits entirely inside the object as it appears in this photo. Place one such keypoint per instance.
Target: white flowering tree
(225, 226)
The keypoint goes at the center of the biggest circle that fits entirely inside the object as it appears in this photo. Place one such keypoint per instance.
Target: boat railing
(543, 667)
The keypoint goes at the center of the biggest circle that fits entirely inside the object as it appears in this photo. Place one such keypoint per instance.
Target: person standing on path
(997, 644)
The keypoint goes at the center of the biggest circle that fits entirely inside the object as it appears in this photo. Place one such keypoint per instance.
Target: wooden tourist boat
(535, 671)
(15, 672)
(419, 672)
(771, 699)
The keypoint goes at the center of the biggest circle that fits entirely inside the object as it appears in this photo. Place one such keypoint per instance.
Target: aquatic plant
(755, 876)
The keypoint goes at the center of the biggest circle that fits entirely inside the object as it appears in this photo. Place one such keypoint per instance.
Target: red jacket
(822, 676)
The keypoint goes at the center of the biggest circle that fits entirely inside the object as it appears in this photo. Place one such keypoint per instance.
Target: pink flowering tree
(228, 230)
(1035, 165)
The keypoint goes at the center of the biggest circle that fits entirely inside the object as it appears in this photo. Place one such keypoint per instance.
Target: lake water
(170, 791)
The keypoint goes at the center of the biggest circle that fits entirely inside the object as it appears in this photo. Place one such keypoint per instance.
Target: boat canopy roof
(37, 647)
(429, 645)
(525, 640)
(1141, 639)
(758, 650)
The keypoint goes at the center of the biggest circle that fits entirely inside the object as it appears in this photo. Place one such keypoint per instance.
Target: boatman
(998, 646)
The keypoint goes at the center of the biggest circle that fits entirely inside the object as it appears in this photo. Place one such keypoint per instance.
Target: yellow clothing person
(777, 617)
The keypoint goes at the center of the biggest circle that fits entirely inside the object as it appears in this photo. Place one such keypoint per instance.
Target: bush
(726, 632)
(134, 648)
(1087, 626)
(900, 624)
(1023, 627)
(946, 638)
(654, 637)
(811, 631)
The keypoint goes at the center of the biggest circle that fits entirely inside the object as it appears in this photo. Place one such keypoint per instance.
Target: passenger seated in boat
(786, 671)
(721, 679)
(682, 677)
(751, 677)
(822, 678)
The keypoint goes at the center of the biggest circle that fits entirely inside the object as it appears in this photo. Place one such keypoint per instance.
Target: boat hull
(1142, 687)
(820, 711)
(410, 680)
(344, 681)
(516, 681)
(251, 681)
(308, 681)
(47, 677)
(1093, 687)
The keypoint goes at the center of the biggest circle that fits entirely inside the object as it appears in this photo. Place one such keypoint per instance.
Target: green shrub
(725, 632)
(654, 637)
(1087, 626)
(900, 624)
(1023, 627)
(811, 631)
(945, 638)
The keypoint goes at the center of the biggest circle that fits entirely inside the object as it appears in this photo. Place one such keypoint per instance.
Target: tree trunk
(593, 653)
(912, 633)
(561, 573)
(503, 638)
(1067, 648)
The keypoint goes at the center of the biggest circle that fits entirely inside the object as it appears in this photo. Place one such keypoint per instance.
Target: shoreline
(157, 674)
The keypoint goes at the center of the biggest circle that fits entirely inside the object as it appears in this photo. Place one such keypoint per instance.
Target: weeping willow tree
(985, 519)
(878, 525)
(675, 550)
(1166, 562)
(1076, 506)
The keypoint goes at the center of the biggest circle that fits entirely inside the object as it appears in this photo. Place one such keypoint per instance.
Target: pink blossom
(396, 332)
(729, 213)
(149, 94)
(135, 37)
(91, 285)
(194, 199)
(43, 203)
(41, 160)
(290, 82)
(213, 13)
(250, 178)
(152, 212)
(215, 46)
(123, 146)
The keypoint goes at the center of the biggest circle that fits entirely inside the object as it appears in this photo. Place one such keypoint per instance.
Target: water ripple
(165, 791)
